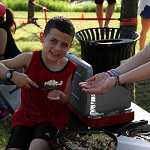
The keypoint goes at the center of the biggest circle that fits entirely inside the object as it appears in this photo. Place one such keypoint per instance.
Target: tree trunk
(30, 10)
(129, 10)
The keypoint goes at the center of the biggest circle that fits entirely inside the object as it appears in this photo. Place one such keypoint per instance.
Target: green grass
(27, 36)
(27, 39)
(4, 131)
(58, 5)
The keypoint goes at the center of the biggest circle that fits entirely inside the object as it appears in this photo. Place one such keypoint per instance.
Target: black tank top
(11, 49)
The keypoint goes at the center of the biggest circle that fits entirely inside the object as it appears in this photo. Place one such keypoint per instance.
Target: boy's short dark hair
(62, 24)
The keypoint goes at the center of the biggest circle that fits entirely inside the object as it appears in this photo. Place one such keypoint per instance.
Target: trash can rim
(95, 41)
(108, 28)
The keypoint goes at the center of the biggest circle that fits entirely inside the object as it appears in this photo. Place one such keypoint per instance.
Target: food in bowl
(98, 140)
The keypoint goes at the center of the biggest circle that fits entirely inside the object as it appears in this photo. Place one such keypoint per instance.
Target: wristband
(109, 73)
(118, 81)
(116, 72)
(116, 78)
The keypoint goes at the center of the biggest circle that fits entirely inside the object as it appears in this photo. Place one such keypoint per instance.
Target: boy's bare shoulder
(26, 55)
(24, 58)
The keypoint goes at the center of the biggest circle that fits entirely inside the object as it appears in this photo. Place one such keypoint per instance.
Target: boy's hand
(22, 80)
(55, 95)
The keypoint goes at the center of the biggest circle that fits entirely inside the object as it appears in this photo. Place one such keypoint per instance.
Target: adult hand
(98, 84)
(108, 84)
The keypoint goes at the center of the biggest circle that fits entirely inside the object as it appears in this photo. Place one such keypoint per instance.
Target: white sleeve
(142, 5)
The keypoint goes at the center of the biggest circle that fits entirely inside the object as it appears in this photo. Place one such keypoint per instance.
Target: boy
(42, 112)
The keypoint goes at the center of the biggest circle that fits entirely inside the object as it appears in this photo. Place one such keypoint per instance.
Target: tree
(30, 10)
(129, 10)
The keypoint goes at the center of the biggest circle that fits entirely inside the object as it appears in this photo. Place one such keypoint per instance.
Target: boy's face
(56, 44)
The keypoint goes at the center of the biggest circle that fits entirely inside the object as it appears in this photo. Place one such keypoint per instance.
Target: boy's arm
(20, 61)
(67, 90)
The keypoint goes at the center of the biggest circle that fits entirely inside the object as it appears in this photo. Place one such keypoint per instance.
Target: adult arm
(3, 41)
(137, 60)
(138, 73)
(135, 68)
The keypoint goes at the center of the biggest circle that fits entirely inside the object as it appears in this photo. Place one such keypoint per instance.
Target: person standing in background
(8, 48)
(144, 12)
(109, 11)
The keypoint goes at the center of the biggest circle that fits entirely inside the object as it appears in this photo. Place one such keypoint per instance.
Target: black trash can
(104, 48)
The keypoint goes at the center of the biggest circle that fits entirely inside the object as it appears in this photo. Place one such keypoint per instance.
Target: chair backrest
(10, 95)
(80, 100)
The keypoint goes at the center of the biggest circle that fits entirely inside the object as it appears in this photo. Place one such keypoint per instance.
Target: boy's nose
(57, 47)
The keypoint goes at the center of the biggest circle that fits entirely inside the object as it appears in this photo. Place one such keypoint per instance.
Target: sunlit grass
(28, 34)
(58, 5)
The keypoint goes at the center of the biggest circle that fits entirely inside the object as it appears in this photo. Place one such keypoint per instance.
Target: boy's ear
(70, 46)
(41, 37)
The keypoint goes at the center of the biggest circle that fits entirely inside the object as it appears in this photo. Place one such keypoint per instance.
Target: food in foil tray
(53, 83)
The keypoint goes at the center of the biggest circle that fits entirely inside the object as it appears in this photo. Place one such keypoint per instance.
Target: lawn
(27, 35)
(27, 39)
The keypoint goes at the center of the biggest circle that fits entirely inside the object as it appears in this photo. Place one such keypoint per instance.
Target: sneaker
(107, 29)
(4, 112)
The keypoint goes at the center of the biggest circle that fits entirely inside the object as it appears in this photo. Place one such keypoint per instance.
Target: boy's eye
(65, 45)
(54, 41)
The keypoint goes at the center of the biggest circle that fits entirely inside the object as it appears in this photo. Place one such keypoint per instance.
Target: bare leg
(109, 12)
(99, 13)
(145, 28)
(39, 144)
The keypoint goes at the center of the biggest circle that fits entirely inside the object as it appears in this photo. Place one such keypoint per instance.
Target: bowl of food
(85, 138)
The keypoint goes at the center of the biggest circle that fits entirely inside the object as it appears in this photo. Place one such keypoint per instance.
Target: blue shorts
(21, 136)
(145, 14)
(101, 1)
